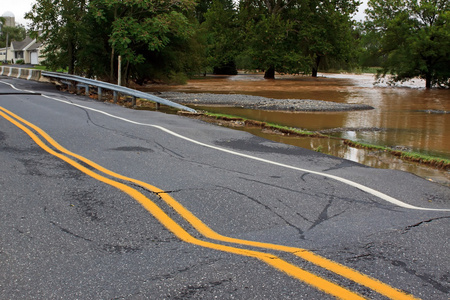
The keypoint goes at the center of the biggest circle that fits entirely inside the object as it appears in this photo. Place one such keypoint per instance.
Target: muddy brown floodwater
(406, 116)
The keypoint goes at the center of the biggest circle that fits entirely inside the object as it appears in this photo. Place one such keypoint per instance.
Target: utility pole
(7, 41)
(1, 31)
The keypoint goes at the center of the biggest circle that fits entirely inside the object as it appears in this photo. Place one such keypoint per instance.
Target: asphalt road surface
(102, 202)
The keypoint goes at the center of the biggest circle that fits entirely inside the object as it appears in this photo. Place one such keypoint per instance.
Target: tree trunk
(127, 68)
(111, 66)
(270, 73)
(315, 68)
(71, 54)
(428, 81)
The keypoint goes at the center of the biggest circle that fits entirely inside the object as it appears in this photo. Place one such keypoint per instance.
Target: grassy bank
(433, 161)
(44, 68)
(234, 121)
(275, 127)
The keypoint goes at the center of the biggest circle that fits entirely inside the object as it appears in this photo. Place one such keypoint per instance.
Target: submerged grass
(277, 127)
(433, 161)
(437, 162)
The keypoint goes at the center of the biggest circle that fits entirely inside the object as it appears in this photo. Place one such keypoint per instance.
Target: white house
(27, 50)
(3, 54)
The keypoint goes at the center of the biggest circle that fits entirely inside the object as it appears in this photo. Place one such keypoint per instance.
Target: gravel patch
(355, 129)
(257, 102)
(435, 111)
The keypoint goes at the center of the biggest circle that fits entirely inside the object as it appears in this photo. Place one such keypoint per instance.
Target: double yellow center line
(271, 259)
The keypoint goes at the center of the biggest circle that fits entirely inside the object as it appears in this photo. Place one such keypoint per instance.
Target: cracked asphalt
(66, 235)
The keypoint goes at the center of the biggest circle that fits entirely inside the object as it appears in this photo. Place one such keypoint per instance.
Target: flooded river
(406, 117)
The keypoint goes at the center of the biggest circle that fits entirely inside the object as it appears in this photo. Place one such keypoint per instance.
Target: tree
(17, 33)
(294, 36)
(60, 24)
(202, 7)
(222, 35)
(143, 32)
(327, 32)
(368, 45)
(414, 38)
(88, 36)
(269, 38)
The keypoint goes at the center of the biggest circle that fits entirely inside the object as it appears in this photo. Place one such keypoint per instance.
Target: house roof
(35, 46)
(17, 46)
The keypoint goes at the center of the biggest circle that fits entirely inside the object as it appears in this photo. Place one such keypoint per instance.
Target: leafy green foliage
(88, 36)
(170, 40)
(17, 33)
(60, 23)
(294, 36)
(413, 37)
(139, 31)
(221, 32)
(328, 33)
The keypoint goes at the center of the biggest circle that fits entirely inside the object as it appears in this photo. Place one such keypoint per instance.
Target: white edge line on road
(337, 178)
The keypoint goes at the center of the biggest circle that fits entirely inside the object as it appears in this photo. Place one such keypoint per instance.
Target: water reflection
(401, 117)
(409, 130)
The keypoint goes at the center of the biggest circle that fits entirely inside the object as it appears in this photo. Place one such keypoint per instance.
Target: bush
(176, 78)
(228, 68)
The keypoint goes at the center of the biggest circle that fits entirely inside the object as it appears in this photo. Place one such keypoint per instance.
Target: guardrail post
(133, 101)
(104, 85)
(71, 87)
(157, 105)
(116, 96)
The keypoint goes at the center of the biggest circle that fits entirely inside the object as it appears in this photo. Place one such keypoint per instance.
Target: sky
(20, 7)
(360, 14)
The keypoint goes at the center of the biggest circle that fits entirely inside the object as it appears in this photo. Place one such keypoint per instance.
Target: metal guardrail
(86, 83)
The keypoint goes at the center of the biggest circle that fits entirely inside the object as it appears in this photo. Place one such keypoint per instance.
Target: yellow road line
(318, 260)
(201, 227)
(272, 260)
